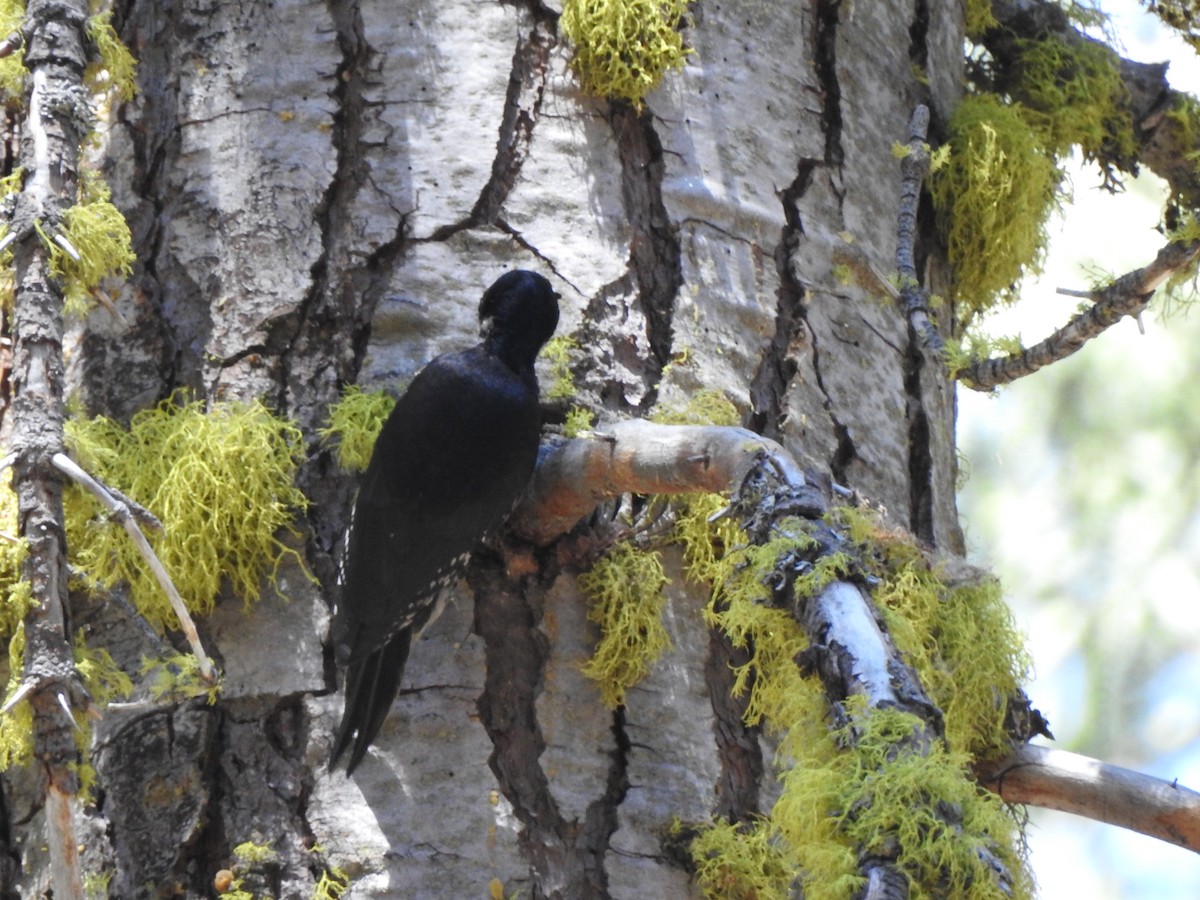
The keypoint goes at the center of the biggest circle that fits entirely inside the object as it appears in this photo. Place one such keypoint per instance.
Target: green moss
(625, 592)
(97, 230)
(354, 423)
(733, 862)
(978, 17)
(578, 421)
(623, 48)
(95, 884)
(1074, 95)
(16, 726)
(872, 783)
(252, 854)
(331, 885)
(222, 484)
(116, 68)
(178, 677)
(879, 792)
(708, 406)
(993, 198)
(558, 353)
(964, 645)
(12, 67)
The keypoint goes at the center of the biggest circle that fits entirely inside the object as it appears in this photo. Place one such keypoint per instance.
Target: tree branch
(1057, 779)
(1127, 296)
(851, 652)
(913, 168)
(640, 457)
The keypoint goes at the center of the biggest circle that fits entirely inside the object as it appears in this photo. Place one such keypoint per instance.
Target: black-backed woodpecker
(452, 459)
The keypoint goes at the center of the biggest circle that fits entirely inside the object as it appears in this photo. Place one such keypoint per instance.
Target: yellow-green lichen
(12, 66)
(878, 783)
(579, 421)
(966, 649)
(178, 677)
(625, 593)
(252, 854)
(16, 725)
(99, 234)
(116, 69)
(331, 885)
(354, 425)
(978, 17)
(558, 353)
(886, 795)
(104, 682)
(222, 482)
(623, 48)
(733, 862)
(993, 198)
(1074, 95)
(708, 406)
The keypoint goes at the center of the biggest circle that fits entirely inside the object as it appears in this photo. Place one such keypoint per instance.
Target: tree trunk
(319, 193)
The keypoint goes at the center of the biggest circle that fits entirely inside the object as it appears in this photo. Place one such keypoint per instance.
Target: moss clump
(12, 67)
(978, 17)
(625, 592)
(222, 484)
(733, 862)
(178, 677)
(97, 230)
(252, 854)
(354, 423)
(965, 646)
(116, 69)
(993, 198)
(1182, 15)
(871, 783)
(558, 353)
(16, 726)
(623, 48)
(331, 885)
(578, 421)
(1073, 94)
(708, 406)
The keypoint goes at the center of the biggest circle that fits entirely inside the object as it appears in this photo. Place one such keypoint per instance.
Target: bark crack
(655, 257)
(566, 859)
(825, 62)
(769, 386)
(522, 108)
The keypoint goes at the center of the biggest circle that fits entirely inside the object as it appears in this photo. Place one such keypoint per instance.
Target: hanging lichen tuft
(221, 482)
(97, 231)
(625, 592)
(354, 424)
(623, 48)
(858, 780)
(993, 196)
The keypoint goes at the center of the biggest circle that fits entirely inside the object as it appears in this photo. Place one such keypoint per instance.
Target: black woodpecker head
(518, 314)
(453, 457)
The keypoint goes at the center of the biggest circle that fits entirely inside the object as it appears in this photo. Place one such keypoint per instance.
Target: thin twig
(913, 168)
(121, 512)
(1126, 296)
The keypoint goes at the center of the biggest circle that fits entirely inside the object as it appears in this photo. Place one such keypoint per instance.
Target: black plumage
(450, 462)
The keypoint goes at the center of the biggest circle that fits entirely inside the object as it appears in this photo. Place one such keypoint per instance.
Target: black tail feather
(371, 686)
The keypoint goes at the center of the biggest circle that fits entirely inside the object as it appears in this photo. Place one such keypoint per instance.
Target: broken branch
(120, 510)
(1126, 296)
